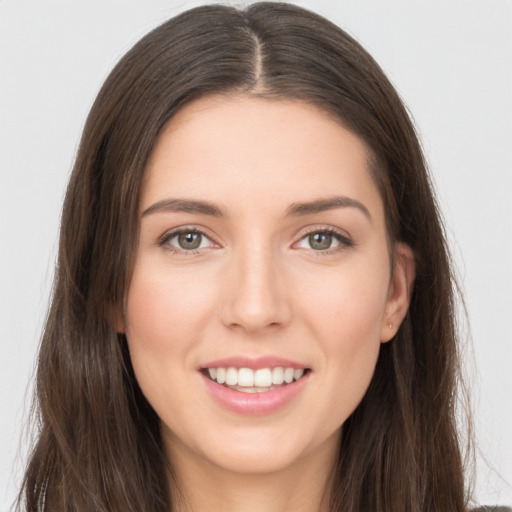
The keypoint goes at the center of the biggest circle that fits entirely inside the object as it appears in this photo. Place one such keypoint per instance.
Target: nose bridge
(257, 295)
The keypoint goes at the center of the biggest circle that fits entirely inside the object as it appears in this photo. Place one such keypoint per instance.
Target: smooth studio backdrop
(450, 60)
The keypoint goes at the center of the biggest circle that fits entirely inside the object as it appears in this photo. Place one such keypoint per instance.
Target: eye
(323, 240)
(186, 240)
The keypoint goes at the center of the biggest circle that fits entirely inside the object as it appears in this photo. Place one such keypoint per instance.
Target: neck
(206, 487)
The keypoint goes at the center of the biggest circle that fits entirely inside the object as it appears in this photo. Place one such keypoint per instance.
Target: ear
(115, 317)
(400, 291)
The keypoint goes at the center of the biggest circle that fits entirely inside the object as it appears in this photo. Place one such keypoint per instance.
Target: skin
(257, 287)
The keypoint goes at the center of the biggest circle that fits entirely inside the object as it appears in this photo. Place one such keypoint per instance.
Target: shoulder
(491, 509)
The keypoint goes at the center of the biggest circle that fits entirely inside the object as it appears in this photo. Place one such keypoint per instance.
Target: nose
(257, 295)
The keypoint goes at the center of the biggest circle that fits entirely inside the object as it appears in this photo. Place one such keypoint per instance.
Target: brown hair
(99, 446)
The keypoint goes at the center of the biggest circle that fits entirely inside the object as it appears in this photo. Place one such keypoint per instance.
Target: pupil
(189, 240)
(320, 241)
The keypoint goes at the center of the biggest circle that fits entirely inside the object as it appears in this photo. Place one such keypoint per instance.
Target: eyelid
(344, 239)
(171, 233)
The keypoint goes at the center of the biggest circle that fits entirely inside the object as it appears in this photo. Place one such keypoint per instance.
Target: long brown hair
(99, 446)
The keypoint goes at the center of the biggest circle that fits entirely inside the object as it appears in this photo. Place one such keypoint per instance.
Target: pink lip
(254, 403)
(254, 364)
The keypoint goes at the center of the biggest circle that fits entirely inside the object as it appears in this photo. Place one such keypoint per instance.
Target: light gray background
(450, 60)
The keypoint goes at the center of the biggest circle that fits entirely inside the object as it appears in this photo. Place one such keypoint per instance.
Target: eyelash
(344, 241)
(167, 237)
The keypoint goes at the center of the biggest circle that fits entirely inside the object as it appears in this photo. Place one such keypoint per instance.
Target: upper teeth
(263, 377)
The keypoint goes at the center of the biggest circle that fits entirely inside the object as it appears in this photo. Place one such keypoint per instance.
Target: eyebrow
(185, 205)
(294, 210)
(322, 205)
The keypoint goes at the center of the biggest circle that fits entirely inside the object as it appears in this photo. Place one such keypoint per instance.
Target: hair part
(100, 446)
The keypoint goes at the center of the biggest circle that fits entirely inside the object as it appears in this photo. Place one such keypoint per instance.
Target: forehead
(241, 150)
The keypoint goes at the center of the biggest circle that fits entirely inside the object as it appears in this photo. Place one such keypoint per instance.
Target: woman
(253, 304)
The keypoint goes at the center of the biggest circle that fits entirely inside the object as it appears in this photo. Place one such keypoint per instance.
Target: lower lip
(255, 403)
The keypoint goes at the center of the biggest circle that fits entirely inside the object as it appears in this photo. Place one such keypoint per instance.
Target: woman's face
(262, 256)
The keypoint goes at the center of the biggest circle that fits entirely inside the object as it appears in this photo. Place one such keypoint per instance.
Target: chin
(248, 460)
(257, 450)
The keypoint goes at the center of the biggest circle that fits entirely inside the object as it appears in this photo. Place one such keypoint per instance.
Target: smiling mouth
(247, 380)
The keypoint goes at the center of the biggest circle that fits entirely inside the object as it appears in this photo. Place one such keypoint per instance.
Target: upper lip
(254, 363)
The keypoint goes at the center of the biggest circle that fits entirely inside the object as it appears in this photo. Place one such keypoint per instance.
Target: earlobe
(400, 291)
(115, 317)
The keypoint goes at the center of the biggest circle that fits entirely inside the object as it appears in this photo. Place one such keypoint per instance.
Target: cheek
(353, 337)
(348, 305)
(162, 305)
(346, 318)
(164, 320)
